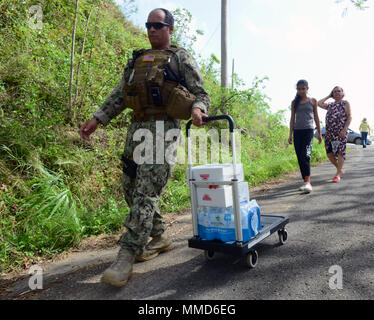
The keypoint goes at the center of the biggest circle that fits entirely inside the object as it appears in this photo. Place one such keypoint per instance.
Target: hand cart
(270, 223)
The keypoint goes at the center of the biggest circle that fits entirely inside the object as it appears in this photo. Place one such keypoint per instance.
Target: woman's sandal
(336, 179)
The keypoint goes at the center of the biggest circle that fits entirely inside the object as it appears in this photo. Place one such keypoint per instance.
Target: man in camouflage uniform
(144, 183)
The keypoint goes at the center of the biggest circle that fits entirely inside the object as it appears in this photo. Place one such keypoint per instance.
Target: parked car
(353, 136)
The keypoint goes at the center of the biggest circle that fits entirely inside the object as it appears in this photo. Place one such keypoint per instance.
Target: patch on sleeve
(149, 58)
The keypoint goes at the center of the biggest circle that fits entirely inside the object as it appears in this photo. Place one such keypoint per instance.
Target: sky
(289, 40)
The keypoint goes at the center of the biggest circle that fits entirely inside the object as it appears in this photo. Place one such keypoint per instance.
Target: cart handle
(209, 119)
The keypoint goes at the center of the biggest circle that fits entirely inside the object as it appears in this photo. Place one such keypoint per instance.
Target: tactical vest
(154, 85)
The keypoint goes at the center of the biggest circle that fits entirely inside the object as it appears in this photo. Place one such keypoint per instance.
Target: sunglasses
(156, 25)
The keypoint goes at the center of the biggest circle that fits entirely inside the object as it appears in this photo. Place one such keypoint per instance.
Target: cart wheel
(252, 258)
(209, 255)
(283, 236)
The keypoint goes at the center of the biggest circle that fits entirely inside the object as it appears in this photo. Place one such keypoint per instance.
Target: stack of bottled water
(219, 223)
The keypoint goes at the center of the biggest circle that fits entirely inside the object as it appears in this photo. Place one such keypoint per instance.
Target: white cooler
(220, 196)
(216, 172)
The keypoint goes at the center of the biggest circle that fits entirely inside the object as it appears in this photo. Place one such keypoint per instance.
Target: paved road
(332, 226)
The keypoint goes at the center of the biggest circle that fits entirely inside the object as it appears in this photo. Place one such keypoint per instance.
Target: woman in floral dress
(338, 119)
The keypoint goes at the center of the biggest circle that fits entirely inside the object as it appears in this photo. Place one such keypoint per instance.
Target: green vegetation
(56, 189)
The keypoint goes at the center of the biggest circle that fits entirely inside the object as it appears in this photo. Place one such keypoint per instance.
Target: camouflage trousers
(144, 183)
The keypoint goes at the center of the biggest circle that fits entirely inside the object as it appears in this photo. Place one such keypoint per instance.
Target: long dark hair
(297, 99)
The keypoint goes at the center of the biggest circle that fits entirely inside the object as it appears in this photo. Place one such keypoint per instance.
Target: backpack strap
(135, 55)
(173, 66)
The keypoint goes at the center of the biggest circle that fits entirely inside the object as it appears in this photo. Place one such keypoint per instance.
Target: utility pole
(232, 74)
(224, 69)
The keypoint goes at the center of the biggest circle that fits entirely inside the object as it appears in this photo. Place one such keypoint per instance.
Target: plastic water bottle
(219, 223)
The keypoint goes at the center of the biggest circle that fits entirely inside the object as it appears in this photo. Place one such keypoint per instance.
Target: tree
(359, 4)
(129, 7)
(183, 34)
(72, 61)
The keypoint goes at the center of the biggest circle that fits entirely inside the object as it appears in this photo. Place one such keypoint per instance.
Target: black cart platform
(270, 224)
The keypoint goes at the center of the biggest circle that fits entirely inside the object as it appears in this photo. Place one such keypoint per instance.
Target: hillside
(56, 189)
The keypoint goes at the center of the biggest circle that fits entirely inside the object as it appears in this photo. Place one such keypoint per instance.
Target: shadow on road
(331, 226)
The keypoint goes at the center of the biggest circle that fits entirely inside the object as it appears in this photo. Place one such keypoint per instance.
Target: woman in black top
(303, 115)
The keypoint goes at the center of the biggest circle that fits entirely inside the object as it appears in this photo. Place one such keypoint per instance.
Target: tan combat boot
(157, 245)
(121, 269)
